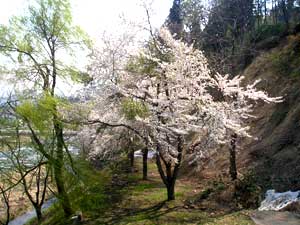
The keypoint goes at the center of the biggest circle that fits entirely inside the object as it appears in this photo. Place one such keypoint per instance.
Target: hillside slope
(275, 155)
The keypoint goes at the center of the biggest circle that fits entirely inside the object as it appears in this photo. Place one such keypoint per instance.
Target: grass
(239, 218)
(138, 202)
(88, 194)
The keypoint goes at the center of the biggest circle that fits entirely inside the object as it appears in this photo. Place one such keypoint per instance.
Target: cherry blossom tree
(187, 107)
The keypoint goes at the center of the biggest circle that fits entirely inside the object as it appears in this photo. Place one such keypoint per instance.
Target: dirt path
(275, 218)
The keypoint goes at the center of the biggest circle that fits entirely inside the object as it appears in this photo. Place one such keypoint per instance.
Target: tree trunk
(131, 160)
(168, 176)
(58, 170)
(7, 204)
(232, 151)
(145, 163)
(171, 191)
(38, 211)
(285, 14)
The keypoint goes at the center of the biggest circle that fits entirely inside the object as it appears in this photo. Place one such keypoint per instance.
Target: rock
(77, 219)
(293, 207)
(279, 201)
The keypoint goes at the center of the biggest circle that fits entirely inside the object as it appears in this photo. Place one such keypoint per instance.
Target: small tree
(5, 196)
(30, 170)
(23, 165)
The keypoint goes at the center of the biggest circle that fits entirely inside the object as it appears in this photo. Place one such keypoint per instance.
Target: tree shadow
(149, 213)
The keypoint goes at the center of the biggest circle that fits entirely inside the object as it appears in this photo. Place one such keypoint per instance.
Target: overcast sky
(95, 16)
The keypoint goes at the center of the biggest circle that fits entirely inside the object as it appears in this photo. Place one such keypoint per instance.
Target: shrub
(247, 192)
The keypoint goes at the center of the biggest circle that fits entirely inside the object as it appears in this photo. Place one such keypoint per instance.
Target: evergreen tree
(174, 20)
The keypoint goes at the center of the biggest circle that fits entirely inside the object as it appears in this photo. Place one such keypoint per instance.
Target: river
(25, 218)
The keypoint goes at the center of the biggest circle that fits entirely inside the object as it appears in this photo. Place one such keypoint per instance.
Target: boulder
(279, 201)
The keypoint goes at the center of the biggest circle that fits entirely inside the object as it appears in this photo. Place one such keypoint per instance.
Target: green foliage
(219, 186)
(45, 29)
(75, 75)
(142, 65)
(266, 31)
(87, 193)
(132, 108)
(50, 17)
(150, 66)
(88, 190)
(39, 112)
(247, 192)
(205, 194)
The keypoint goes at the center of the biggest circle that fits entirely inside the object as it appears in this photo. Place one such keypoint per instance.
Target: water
(139, 154)
(26, 155)
(31, 214)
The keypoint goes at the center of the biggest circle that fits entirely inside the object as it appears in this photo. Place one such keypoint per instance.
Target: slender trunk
(285, 14)
(160, 170)
(276, 12)
(232, 151)
(131, 160)
(58, 170)
(38, 211)
(58, 164)
(7, 204)
(266, 10)
(145, 163)
(167, 180)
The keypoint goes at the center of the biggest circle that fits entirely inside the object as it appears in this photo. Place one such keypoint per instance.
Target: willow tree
(37, 46)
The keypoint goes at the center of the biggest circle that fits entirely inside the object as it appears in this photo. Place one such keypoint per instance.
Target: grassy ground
(143, 202)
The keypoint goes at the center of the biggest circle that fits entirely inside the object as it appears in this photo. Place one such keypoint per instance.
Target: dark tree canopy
(174, 20)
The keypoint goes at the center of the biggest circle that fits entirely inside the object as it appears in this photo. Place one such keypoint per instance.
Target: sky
(96, 17)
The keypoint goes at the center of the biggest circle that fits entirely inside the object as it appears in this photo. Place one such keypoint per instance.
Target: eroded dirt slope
(274, 154)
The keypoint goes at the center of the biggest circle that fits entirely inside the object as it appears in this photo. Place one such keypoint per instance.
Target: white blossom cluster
(186, 99)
